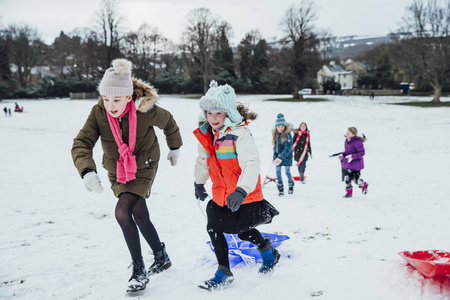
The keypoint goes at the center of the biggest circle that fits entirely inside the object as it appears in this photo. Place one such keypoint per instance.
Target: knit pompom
(213, 84)
(121, 66)
(227, 89)
(280, 115)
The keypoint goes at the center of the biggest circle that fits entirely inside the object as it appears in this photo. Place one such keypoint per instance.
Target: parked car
(306, 92)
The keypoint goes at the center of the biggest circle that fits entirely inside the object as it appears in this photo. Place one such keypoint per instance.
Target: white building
(338, 73)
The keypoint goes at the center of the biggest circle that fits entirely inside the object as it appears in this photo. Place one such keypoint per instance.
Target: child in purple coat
(353, 161)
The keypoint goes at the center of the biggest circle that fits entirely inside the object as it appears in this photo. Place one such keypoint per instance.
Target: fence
(396, 92)
(76, 96)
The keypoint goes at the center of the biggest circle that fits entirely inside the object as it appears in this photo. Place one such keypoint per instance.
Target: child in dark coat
(301, 148)
(124, 119)
(353, 161)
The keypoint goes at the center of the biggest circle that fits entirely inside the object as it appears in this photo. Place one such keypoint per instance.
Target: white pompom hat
(117, 80)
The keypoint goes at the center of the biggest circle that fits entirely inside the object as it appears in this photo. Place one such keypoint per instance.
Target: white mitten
(173, 156)
(92, 182)
(277, 161)
(349, 158)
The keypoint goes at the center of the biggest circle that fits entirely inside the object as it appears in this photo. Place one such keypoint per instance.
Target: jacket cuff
(86, 171)
(241, 191)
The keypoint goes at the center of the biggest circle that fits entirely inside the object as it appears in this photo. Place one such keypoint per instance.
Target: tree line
(76, 61)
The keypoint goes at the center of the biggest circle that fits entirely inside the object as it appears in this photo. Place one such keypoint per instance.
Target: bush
(62, 87)
(193, 86)
(5, 91)
(168, 84)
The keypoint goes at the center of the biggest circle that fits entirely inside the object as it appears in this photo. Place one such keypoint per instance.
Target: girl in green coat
(124, 118)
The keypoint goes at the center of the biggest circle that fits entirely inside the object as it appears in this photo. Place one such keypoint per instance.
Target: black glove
(234, 200)
(200, 192)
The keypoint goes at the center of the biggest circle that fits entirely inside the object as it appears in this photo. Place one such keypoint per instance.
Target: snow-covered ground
(58, 241)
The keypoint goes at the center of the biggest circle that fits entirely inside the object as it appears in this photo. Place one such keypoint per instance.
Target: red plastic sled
(297, 178)
(429, 263)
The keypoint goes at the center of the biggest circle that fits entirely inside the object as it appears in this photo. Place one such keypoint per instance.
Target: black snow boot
(162, 261)
(280, 187)
(291, 187)
(139, 278)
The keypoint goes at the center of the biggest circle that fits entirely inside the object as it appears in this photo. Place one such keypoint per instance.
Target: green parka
(146, 150)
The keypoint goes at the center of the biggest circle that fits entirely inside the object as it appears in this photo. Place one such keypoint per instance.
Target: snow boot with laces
(291, 187)
(269, 255)
(162, 261)
(139, 278)
(280, 187)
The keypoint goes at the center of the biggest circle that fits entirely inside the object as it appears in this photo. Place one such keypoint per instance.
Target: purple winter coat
(354, 147)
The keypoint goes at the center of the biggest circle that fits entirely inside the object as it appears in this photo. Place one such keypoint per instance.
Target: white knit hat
(117, 80)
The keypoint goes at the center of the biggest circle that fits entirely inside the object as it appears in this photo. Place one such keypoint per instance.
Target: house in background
(338, 73)
(356, 67)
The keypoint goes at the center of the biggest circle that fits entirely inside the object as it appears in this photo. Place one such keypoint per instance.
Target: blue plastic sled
(243, 252)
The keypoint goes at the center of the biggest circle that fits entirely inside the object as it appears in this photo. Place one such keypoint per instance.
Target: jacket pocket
(109, 164)
(143, 160)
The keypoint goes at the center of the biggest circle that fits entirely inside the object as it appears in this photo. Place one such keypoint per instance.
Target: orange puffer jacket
(230, 158)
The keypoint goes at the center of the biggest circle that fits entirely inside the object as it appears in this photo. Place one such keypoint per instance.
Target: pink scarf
(126, 165)
(300, 133)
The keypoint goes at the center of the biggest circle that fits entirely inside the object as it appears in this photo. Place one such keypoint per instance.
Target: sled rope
(268, 179)
(199, 207)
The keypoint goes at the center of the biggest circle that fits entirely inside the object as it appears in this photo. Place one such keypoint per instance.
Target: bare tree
(300, 44)
(144, 48)
(223, 60)
(199, 40)
(5, 71)
(89, 55)
(109, 21)
(253, 58)
(25, 50)
(425, 44)
(153, 43)
(325, 44)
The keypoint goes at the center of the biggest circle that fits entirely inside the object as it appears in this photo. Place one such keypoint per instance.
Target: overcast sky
(340, 17)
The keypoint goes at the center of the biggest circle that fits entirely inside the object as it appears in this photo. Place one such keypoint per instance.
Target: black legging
(352, 175)
(221, 246)
(131, 209)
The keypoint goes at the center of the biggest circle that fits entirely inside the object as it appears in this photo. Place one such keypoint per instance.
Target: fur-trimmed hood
(289, 127)
(296, 131)
(144, 96)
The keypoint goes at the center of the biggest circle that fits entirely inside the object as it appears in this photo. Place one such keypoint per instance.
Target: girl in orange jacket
(228, 155)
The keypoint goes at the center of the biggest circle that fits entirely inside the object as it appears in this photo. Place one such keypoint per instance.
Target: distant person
(372, 96)
(18, 108)
(124, 118)
(353, 161)
(9, 111)
(282, 152)
(301, 148)
(6, 111)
